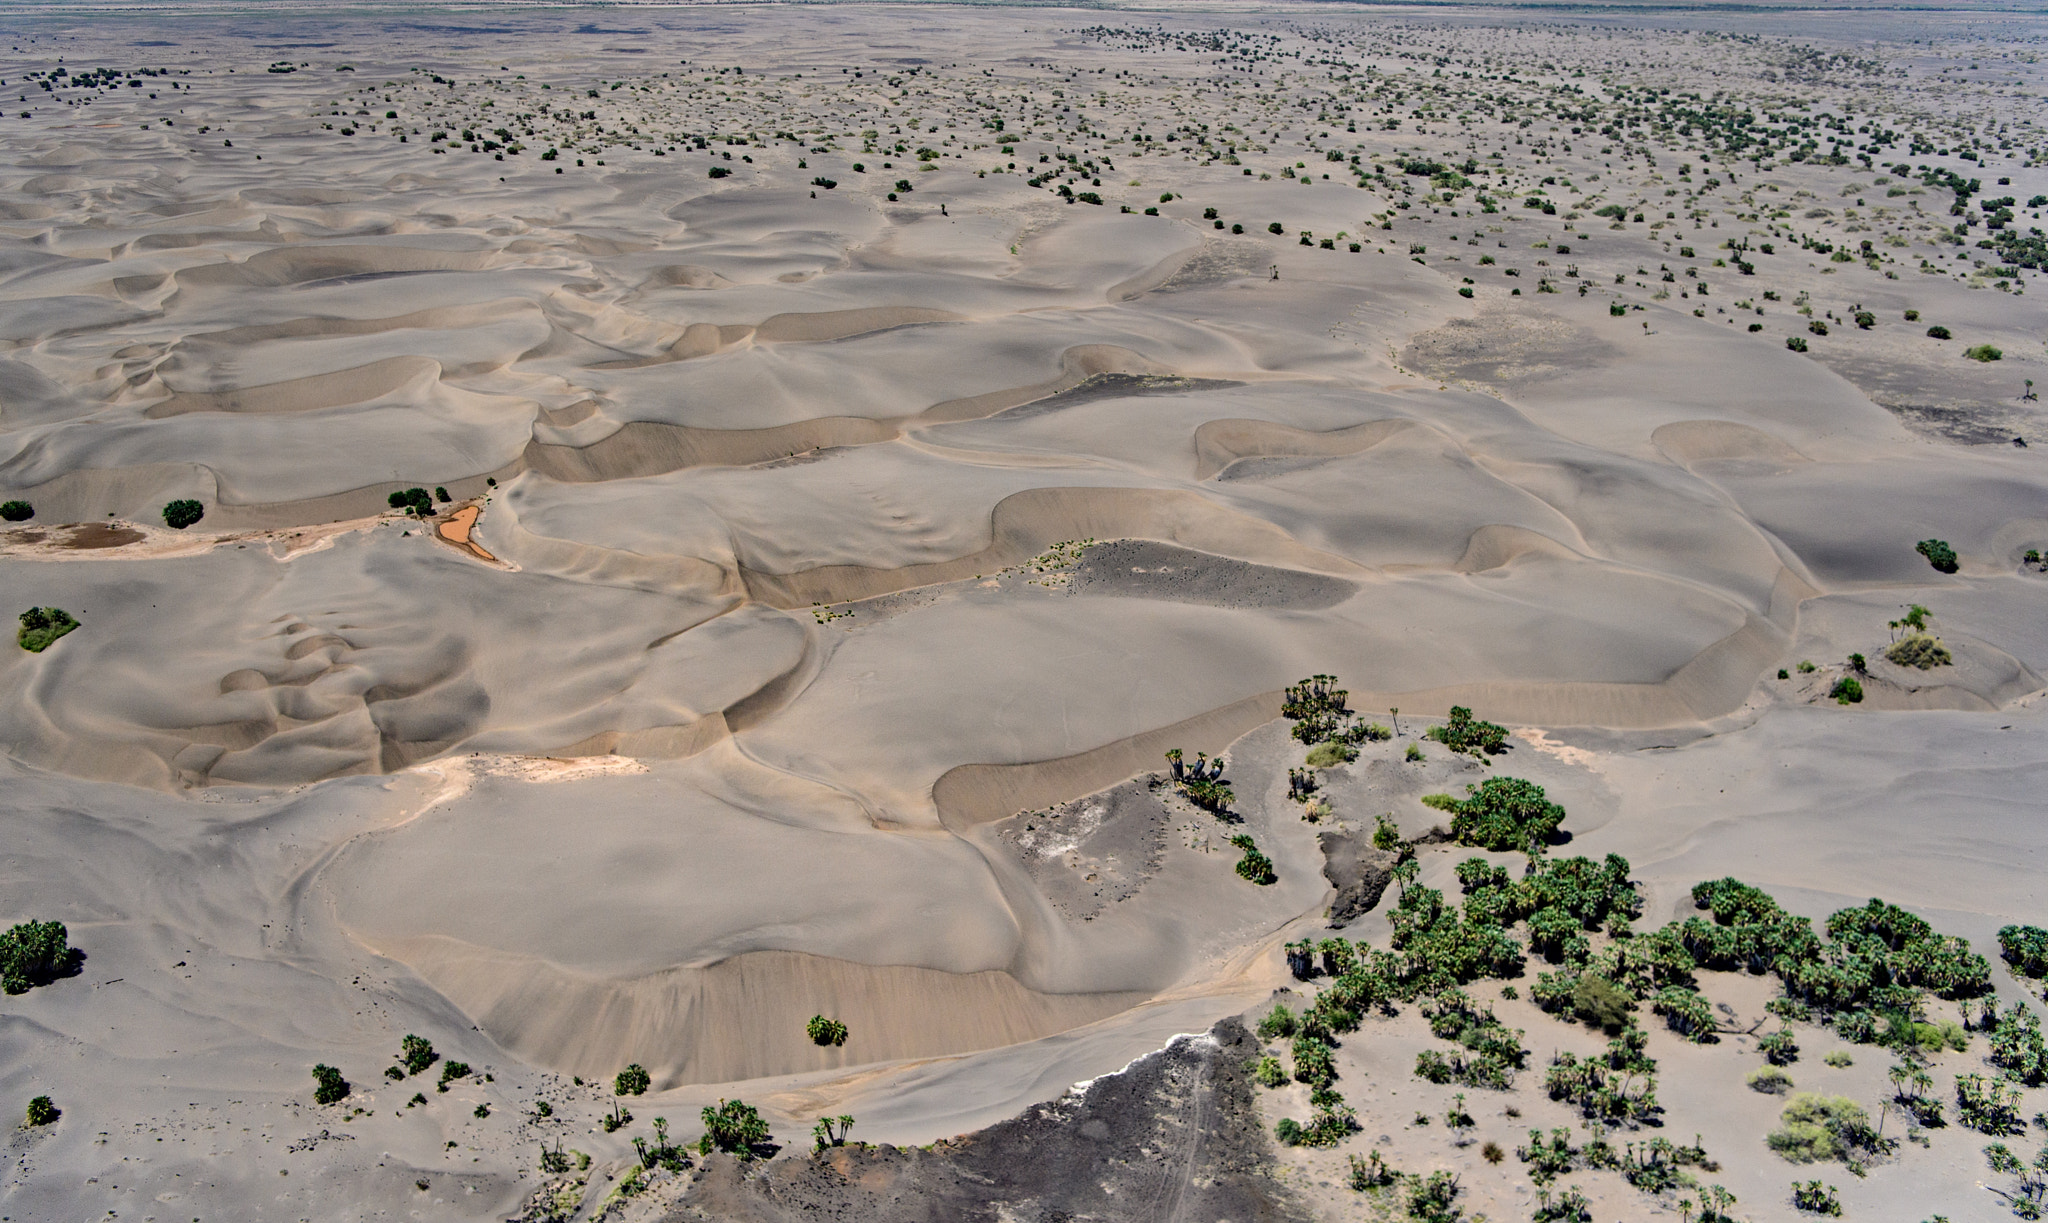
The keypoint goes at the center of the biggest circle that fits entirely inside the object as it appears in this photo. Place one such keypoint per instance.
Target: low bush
(1253, 866)
(1816, 1198)
(1839, 1059)
(416, 1053)
(1848, 690)
(1938, 332)
(1464, 733)
(1983, 352)
(1277, 1024)
(17, 511)
(42, 1112)
(1779, 1048)
(1817, 1129)
(1938, 554)
(451, 1071)
(1919, 650)
(42, 625)
(1770, 1080)
(1596, 1002)
(632, 1081)
(1502, 814)
(328, 1085)
(36, 953)
(1268, 1072)
(823, 1031)
(1330, 755)
(735, 1127)
(2025, 949)
(181, 514)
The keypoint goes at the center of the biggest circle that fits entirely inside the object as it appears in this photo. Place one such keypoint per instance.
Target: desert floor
(857, 443)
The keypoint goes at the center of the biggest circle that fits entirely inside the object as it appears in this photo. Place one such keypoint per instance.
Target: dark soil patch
(1091, 852)
(1175, 1135)
(99, 535)
(1114, 386)
(1359, 872)
(1147, 569)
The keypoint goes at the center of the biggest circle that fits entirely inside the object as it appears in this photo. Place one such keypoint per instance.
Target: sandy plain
(844, 512)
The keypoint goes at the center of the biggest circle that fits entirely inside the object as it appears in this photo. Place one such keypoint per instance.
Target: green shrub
(1816, 1198)
(2025, 949)
(1686, 1013)
(1278, 1023)
(823, 1031)
(1413, 754)
(1312, 1061)
(1288, 1131)
(632, 1081)
(42, 1112)
(417, 1053)
(1847, 690)
(1372, 1172)
(1464, 733)
(1386, 835)
(1919, 650)
(451, 1071)
(1983, 352)
(1770, 1080)
(1253, 866)
(1595, 1001)
(1987, 1104)
(1268, 1072)
(1797, 343)
(1505, 814)
(328, 1085)
(42, 625)
(181, 514)
(1938, 332)
(733, 1126)
(35, 953)
(1779, 1048)
(1330, 755)
(1938, 554)
(1839, 1059)
(17, 511)
(1816, 1128)
(2017, 1047)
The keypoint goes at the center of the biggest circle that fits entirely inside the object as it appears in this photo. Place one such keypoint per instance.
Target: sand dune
(816, 579)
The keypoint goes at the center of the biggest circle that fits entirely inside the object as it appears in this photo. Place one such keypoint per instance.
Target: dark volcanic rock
(1175, 1135)
(1359, 872)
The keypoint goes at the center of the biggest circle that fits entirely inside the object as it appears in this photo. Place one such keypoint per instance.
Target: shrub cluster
(17, 511)
(35, 953)
(1489, 1054)
(1938, 554)
(42, 625)
(632, 1081)
(1919, 650)
(1464, 733)
(1255, 866)
(328, 1085)
(823, 1031)
(734, 1126)
(181, 514)
(1501, 814)
(1816, 1129)
(2025, 949)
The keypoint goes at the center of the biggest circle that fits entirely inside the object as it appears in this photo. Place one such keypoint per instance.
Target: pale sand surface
(751, 667)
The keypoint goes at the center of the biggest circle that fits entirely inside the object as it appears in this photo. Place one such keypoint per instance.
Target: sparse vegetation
(1817, 1129)
(1770, 1080)
(1919, 650)
(1502, 813)
(42, 625)
(823, 1031)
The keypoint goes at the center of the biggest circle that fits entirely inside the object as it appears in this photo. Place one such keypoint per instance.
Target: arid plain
(714, 517)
